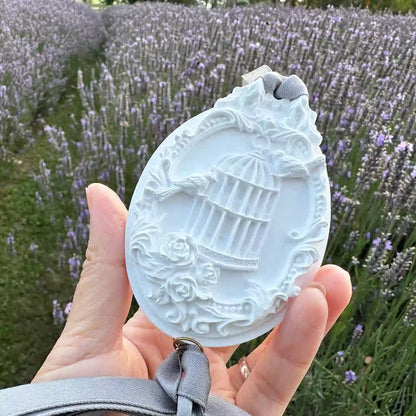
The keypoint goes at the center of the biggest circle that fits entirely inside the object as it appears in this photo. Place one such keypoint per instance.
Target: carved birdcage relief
(229, 218)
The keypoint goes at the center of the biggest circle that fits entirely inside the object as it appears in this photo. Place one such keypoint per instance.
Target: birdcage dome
(251, 168)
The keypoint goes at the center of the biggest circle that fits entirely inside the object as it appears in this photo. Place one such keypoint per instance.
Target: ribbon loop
(291, 88)
(184, 376)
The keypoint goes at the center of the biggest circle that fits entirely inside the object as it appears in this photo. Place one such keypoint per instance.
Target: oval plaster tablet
(230, 218)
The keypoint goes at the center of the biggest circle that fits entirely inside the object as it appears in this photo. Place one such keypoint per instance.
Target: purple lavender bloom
(57, 313)
(74, 266)
(33, 247)
(403, 146)
(377, 241)
(380, 139)
(350, 377)
(339, 196)
(387, 245)
(10, 244)
(358, 331)
(68, 308)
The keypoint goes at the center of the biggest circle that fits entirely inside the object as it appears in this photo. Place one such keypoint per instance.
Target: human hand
(96, 342)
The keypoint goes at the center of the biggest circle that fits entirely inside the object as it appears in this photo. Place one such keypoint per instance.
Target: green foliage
(403, 6)
(396, 6)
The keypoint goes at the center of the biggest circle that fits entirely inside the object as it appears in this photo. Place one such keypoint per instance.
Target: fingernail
(318, 286)
(88, 196)
(336, 269)
(347, 275)
(343, 271)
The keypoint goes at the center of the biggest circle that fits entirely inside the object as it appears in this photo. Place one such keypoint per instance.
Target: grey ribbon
(291, 87)
(181, 387)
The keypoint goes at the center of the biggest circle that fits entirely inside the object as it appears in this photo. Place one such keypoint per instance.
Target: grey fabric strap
(181, 387)
(291, 87)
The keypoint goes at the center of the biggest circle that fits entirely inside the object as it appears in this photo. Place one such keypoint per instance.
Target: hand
(95, 342)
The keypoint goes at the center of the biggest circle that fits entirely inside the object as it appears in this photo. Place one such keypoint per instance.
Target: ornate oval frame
(181, 284)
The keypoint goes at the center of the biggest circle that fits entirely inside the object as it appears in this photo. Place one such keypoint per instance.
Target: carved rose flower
(179, 248)
(209, 274)
(181, 288)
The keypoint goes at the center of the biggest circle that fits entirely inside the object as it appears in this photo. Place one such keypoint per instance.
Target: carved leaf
(142, 236)
(288, 166)
(316, 233)
(162, 296)
(160, 271)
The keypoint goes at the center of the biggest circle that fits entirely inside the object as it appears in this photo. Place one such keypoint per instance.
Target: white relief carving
(180, 249)
(231, 207)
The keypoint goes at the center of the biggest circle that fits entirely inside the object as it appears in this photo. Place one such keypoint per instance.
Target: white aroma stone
(230, 217)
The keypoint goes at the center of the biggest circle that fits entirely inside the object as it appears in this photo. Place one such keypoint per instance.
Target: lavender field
(88, 97)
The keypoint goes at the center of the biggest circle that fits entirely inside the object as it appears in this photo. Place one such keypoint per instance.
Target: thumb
(103, 296)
